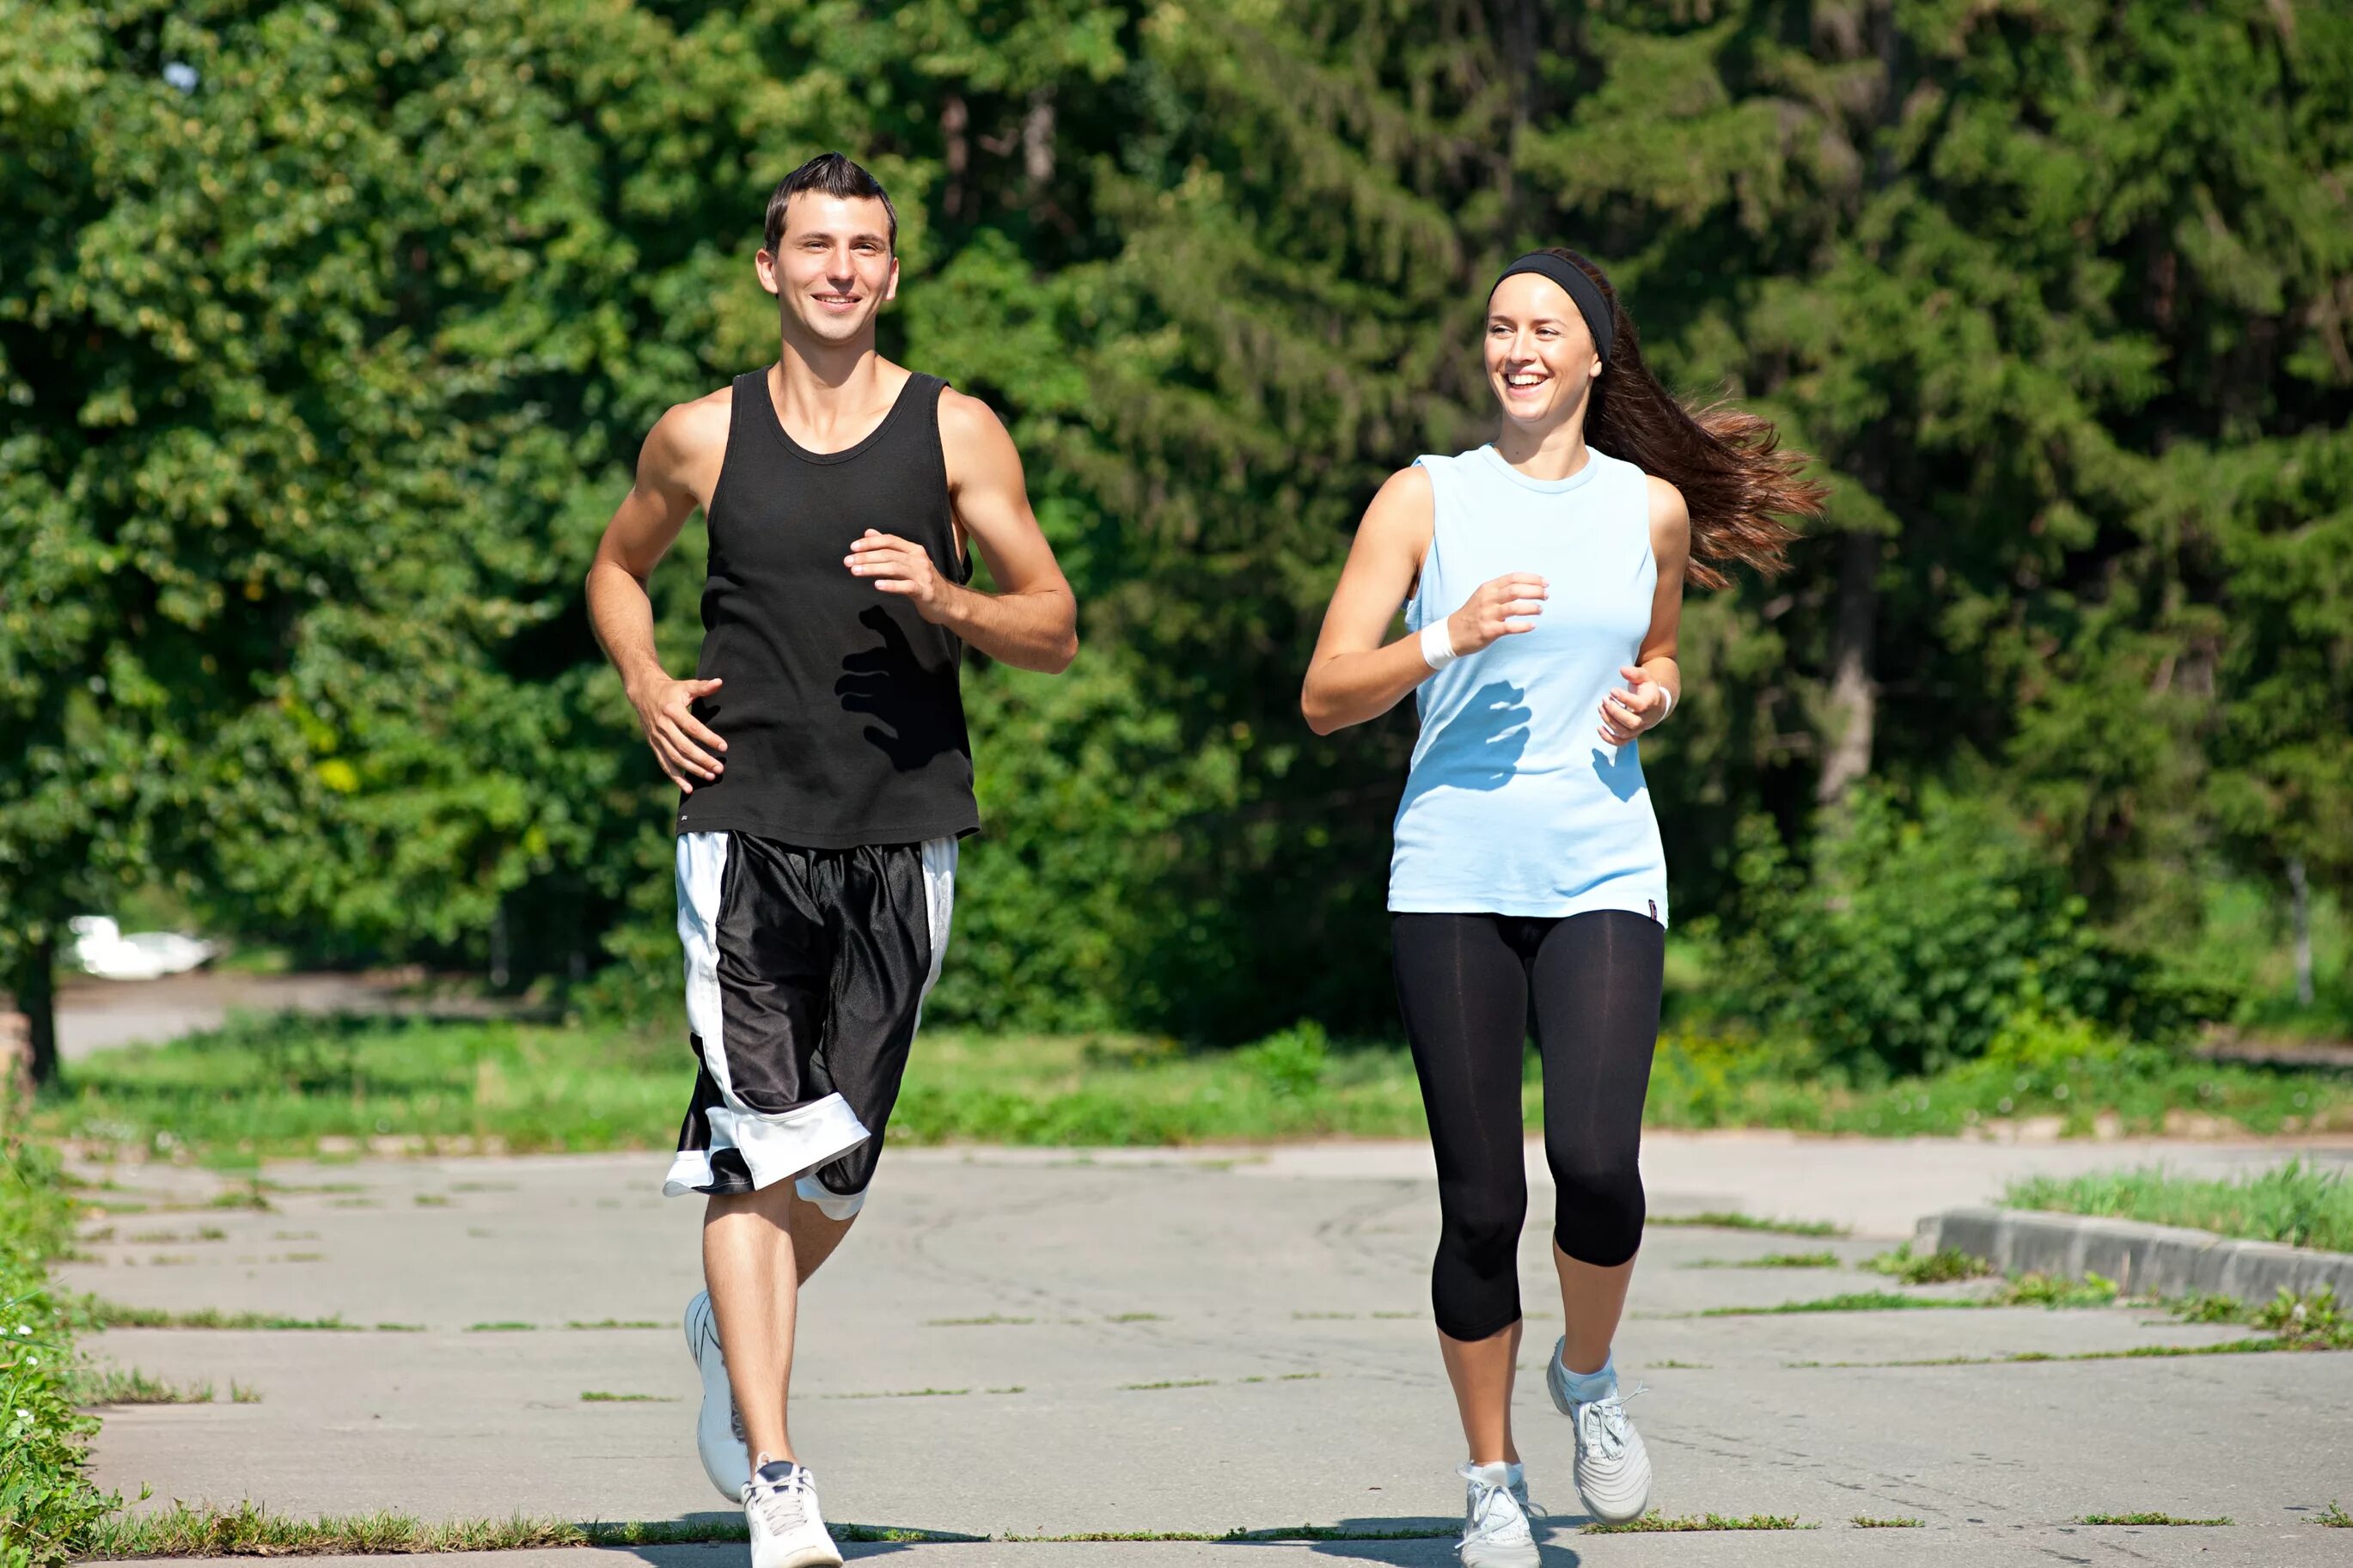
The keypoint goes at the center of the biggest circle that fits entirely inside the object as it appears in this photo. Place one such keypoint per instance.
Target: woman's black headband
(1591, 303)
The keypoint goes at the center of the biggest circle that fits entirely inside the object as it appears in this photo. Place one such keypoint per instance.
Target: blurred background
(329, 330)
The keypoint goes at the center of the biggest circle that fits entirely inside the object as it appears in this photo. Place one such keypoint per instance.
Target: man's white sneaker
(1613, 1468)
(1495, 1532)
(719, 1429)
(780, 1505)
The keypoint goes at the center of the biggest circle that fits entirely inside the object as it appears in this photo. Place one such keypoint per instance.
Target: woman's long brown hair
(1736, 477)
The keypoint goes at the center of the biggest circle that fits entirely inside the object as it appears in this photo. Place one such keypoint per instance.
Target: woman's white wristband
(1437, 647)
(1669, 693)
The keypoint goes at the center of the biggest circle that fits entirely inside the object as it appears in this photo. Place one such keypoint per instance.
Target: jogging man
(824, 773)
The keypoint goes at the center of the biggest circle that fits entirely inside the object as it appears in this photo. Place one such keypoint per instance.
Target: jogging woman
(1542, 578)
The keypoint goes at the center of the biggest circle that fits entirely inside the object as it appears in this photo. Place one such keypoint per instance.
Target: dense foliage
(1915, 943)
(328, 329)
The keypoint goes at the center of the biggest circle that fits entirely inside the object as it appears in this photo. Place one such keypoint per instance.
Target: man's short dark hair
(831, 174)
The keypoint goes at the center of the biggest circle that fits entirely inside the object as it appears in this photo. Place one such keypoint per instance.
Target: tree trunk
(1037, 140)
(35, 985)
(2300, 907)
(957, 151)
(1854, 699)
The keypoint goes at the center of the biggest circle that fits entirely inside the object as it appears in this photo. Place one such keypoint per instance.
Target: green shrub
(1914, 941)
(1291, 1064)
(46, 1499)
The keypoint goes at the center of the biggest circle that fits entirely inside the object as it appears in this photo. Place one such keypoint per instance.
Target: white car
(100, 948)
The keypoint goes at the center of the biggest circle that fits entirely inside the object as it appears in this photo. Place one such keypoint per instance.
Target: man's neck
(818, 389)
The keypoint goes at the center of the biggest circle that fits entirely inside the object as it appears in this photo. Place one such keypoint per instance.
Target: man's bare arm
(1032, 621)
(644, 526)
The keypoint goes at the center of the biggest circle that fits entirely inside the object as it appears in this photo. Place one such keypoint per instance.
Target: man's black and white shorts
(805, 973)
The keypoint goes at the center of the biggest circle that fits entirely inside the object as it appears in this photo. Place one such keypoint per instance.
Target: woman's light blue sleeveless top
(1516, 804)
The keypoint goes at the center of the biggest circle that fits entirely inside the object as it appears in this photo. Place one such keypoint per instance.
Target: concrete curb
(2143, 1259)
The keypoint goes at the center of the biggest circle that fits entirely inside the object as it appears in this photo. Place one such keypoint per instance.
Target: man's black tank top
(841, 710)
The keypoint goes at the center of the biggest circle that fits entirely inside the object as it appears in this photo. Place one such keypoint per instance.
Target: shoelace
(784, 1505)
(1601, 1426)
(1483, 1496)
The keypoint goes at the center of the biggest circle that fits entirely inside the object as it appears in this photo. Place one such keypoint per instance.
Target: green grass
(2019, 1291)
(95, 1313)
(2147, 1518)
(91, 1386)
(1943, 1266)
(278, 1086)
(620, 1323)
(1651, 1523)
(249, 1531)
(2313, 1322)
(2297, 1203)
(1718, 1219)
(45, 1487)
(1865, 1521)
(593, 1396)
(1851, 1301)
(1239, 1535)
(1772, 1260)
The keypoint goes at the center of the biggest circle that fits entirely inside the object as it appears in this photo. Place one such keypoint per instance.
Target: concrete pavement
(1018, 1343)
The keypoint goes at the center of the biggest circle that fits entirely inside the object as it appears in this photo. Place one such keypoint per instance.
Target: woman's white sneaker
(788, 1532)
(718, 1429)
(1495, 1532)
(1613, 1467)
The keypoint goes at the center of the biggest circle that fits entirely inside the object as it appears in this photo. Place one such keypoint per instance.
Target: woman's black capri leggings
(1465, 984)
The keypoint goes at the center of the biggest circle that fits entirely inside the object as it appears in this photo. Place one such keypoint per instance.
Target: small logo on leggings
(1654, 907)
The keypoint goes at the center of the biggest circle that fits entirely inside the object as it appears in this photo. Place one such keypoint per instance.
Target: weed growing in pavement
(595, 1396)
(94, 1385)
(2334, 1516)
(93, 1313)
(2213, 1309)
(1652, 1522)
(1772, 1260)
(1942, 1266)
(249, 1531)
(2147, 1519)
(620, 1323)
(1852, 1301)
(1238, 1534)
(2021, 1290)
(2049, 1290)
(162, 1238)
(2314, 1319)
(501, 1328)
(1865, 1521)
(1721, 1219)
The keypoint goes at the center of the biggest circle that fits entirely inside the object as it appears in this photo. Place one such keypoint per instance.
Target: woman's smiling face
(1540, 355)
